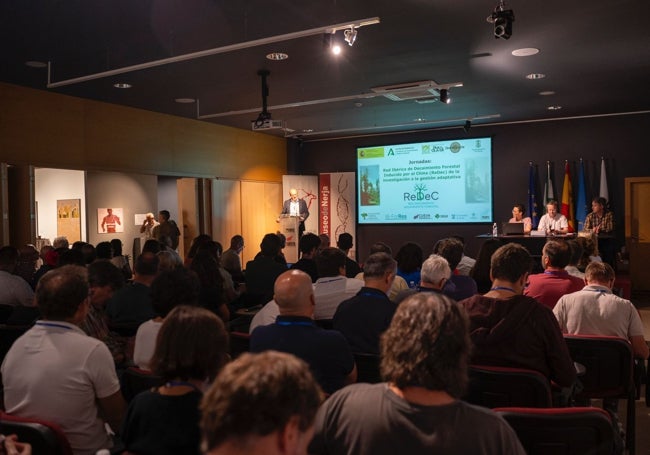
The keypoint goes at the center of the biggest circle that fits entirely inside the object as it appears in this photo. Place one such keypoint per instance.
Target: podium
(289, 226)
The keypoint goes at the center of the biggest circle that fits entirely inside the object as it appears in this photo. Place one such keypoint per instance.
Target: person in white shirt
(553, 222)
(14, 290)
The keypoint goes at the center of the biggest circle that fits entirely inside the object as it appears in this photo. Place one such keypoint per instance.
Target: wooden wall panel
(261, 204)
(188, 208)
(226, 210)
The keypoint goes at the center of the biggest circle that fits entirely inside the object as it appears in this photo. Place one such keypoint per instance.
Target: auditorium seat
(44, 437)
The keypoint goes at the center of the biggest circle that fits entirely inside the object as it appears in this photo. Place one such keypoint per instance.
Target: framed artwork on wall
(109, 220)
(68, 219)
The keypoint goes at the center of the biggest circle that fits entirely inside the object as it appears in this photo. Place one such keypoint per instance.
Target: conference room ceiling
(595, 56)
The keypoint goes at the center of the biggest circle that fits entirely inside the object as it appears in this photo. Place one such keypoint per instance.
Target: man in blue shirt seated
(326, 351)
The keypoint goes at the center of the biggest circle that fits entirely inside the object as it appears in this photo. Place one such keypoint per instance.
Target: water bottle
(495, 232)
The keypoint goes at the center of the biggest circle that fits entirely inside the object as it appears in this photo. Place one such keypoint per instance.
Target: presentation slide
(428, 182)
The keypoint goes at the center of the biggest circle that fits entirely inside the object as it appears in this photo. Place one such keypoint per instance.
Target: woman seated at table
(518, 212)
(600, 220)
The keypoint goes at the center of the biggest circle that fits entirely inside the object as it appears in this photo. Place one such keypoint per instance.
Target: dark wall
(621, 140)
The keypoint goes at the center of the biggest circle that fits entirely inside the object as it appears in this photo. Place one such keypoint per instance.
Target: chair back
(5, 312)
(44, 437)
(367, 367)
(561, 431)
(240, 342)
(135, 380)
(492, 387)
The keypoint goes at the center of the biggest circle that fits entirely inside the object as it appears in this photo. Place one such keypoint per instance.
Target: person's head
(149, 217)
(60, 242)
(600, 273)
(62, 294)
(163, 216)
(283, 239)
(294, 293)
(379, 271)
(237, 243)
(104, 250)
(269, 397)
(192, 344)
(576, 251)
(206, 266)
(380, 247)
(8, 258)
(409, 257)
(481, 269)
(330, 262)
(88, 252)
(308, 244)
(511, 263)
(172, 288)
(103, 279)
(293, 194)
(598, 205)
(324, 241)
(345, 241)
(450, 249)
(151, 246)
(427, 345)
(44, 250)
(556, 253)
(146, 265)
(518, 211)
(270, 246)
(70, 257)
(168, 261)
(551, 208)
(435, 272)
(589, 249)
(198, 242)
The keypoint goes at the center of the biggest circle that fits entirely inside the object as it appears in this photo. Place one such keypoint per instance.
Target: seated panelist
(518, 212)
(553, 222)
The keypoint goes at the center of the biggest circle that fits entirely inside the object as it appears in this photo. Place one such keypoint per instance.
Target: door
(637, 230)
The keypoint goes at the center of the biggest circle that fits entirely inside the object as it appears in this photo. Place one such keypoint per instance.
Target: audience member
(324, 241)
(50, 258)
(11, 446)
(424, 360)
(263, 270)
(166, 229)
(152, 246)
(231, 260)
(191, 348)
(345, 244)
(14, 290)
(131, 305)
(434, 275)
(363, 318)
(409, 260)
(67, 256)
(170, 289)
(168, 261)
(308, 246)
(554, 282)
(27, 260)
(199, 241)
(120, 260)
(513, 330)
(481, 270)
(458, 287)
(466, 263)
(553, 222)
(589, 251)
(104, 250)
(57, 373)
(60, 242)
(576, 253)
(399, 284)
(260, 404)
(211, 295)
(326, 351)
(89, 253)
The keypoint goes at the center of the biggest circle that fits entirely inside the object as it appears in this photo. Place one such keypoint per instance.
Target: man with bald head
(326, 351)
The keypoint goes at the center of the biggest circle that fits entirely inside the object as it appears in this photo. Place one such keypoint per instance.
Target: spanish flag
(567, 198)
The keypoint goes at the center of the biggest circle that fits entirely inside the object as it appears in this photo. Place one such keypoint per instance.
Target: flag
(581, 203)
(548, 186)
(567, 197)
(532, 195)
(604, 192)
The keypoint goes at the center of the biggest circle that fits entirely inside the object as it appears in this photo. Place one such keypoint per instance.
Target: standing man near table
(295, 207)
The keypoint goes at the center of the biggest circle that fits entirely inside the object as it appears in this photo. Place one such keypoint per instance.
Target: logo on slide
(455, 147)
(390, 152)
(420, 194)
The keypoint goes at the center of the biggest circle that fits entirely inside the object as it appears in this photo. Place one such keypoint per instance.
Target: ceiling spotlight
(502, 19)
(336, 49)
(444, 96)
(350, 35)
(467, 126)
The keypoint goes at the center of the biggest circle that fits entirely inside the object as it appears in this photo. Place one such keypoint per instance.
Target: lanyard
(52, 324)
(303, 323)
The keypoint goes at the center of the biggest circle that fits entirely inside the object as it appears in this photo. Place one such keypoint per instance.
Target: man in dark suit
(295, 207)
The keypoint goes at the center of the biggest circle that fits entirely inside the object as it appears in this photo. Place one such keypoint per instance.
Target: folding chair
(492, 387)
(367, 368)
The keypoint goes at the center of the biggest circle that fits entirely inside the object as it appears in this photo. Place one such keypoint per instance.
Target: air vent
(422, 90)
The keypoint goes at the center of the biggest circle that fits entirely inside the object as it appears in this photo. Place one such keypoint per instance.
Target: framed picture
(68, 219)
(109, 220)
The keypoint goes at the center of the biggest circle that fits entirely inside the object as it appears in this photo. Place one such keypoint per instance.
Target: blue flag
(532, 195)
(581, 202)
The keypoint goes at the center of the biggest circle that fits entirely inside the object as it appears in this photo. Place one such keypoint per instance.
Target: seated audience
(458, 287)
(554, 282)
(308, 246)
(120, 260)
(513, 330)
(104, 250)
(324, 241)
(260, 404)
(589, 252)
(57, 373)
(212, 294)
(518, 212)
(481, 270)
(576, 253)
(131, 305)
(409, 260)
(263, 270)
(553, 222)
(399, 284)
(11, 446)
(49, 259)
(344, 243)
(168, 261)
(169, 290)
(14, 290)
(466, 263)
(424, 360)
(60, 242)
(434, 275)
(231, 261)
(191, 348)
(27, 260)
(363, 318)
(198, 242)
(326, 351)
